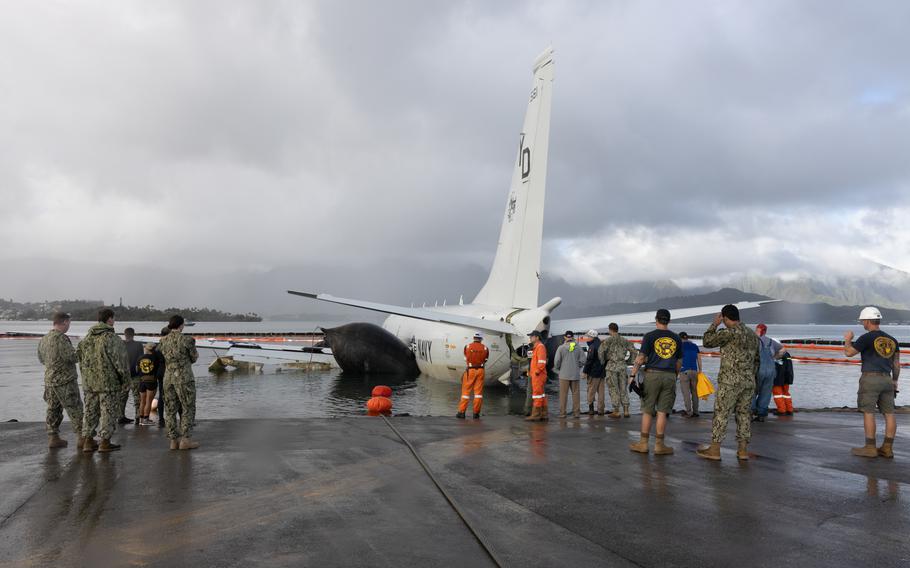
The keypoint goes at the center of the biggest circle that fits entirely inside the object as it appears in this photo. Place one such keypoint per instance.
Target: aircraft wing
(417, 313)
(254, 352)
(600, 323)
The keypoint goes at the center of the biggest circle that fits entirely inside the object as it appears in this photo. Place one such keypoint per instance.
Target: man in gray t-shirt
(569, 360)
(878, 380)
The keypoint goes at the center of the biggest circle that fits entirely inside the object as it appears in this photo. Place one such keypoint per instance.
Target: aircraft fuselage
(439, 347)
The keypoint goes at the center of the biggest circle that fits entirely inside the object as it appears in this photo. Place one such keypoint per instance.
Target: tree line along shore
(87, 310)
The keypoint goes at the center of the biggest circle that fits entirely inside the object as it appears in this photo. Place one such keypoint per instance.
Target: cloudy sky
(246, 147)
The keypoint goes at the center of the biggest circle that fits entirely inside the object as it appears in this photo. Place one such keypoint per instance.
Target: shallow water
(291, 393)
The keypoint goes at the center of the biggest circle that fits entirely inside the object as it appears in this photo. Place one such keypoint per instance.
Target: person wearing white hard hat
(475, 357)
(878, 380)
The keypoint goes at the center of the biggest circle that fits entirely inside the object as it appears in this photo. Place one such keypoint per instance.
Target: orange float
(382, 390)
(379, 405)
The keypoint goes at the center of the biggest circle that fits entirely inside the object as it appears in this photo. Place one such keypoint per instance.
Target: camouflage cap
(60, 317)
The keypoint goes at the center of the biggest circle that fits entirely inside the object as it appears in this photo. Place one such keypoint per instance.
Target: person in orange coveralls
(475, 355)
(537, 376)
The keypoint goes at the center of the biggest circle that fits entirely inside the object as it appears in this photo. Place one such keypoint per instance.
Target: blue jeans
(762, 395)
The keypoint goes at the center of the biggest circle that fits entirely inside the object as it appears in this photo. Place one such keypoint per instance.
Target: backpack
(767, 369)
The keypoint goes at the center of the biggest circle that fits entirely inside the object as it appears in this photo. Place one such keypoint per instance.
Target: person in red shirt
(537, 376)
(475, 357)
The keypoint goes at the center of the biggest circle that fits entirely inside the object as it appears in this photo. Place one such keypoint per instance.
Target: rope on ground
(483, 541)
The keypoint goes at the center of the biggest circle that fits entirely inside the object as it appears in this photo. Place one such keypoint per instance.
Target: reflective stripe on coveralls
(472, 381)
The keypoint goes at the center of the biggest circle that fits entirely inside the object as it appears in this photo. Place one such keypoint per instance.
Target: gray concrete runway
(346, 492)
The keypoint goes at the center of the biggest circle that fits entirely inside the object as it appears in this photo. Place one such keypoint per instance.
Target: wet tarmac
(346, 492)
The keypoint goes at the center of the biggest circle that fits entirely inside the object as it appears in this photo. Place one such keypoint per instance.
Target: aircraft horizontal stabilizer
(416, 313)
(600, 323)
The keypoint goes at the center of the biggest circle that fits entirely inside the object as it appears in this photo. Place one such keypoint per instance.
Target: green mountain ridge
(783, 312)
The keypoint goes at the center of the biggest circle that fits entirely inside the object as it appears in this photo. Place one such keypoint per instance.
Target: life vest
(476, 354)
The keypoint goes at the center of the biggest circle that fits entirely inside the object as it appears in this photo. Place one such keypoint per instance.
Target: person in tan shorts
(661, 352)
(881, 367)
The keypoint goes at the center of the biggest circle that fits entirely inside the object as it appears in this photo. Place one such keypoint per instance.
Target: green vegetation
(87, 310)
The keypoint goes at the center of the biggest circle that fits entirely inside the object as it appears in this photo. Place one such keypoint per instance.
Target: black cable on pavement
(483, 542)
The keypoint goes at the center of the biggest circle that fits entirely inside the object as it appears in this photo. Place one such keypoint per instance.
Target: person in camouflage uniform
(179, 384)
(105, 369)
(61, 388)
(735, 381)
(615, 352)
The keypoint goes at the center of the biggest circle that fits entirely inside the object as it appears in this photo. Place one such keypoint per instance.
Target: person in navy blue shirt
(881, 367)
(688, 375)
(661, 352)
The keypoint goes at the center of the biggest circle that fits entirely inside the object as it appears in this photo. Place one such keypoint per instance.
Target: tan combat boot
(867, 451)
(80, 442)
(742, 452)
(188, 444)
(175, 444)
(535, 415)
(886, 451)
(107, 446)
(614, 414)
(55, 441)
(642, 445)
(661, 449)
(711, 452)
(89, 445)
(544, 414)
(625, 412)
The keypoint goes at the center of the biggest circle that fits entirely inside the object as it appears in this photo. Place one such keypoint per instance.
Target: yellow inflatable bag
(704, 386)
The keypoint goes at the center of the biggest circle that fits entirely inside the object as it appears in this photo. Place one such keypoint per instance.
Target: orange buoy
(382, 390)
(379, 405)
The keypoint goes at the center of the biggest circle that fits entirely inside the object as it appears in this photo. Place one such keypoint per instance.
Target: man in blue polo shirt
(688, 375)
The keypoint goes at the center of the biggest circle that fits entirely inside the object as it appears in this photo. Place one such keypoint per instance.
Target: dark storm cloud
(256, 136)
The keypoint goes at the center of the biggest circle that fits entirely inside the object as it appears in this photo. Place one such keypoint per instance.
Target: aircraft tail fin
(515, 275)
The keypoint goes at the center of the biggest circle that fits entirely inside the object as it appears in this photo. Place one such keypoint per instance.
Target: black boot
(460, 415)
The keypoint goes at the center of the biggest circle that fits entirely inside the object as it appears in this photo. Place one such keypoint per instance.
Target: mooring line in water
(483, 542)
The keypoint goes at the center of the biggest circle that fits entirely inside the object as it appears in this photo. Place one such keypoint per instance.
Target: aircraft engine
(368, 349)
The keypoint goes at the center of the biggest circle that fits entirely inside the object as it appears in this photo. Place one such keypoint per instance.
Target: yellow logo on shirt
(665, 347)
(884, 346)
(146, 366)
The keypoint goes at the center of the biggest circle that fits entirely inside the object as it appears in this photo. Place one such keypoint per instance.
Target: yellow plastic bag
(704, 387)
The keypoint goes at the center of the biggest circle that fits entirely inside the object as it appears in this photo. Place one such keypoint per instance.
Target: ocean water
(278, 392)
